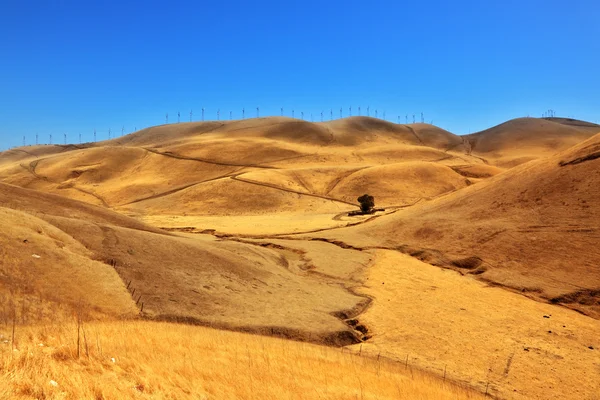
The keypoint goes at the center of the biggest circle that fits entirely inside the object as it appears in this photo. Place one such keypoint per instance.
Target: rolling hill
(524, 139)
(85, 256)
(269, 165)
(533, 228)
(244, 226)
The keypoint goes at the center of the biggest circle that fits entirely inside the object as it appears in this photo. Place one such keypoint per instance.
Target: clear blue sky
(75, 66)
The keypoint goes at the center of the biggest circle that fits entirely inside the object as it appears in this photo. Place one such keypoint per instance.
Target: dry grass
(160, 360)
(523, 139)
(251, 167)
(535, 227)
(44, 264)
(448, 323)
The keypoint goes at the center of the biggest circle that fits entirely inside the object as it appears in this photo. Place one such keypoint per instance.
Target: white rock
(35, 256)
(54, 383)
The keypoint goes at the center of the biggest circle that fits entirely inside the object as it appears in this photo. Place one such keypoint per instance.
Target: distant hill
(212, 168)
(524, 139)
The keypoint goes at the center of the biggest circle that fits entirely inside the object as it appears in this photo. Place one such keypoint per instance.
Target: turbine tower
(218, 114)
(191, 115)
(282, 111)
(65, 139)
(230, 115)
(341, 111)
(243, 113)
(375, 113)
(50, 138)
(359, 111)
(109, 135)
(36, 139)
(80, 138)
(202, 114)
(292, 113)
(178, 116)
(167, 118)
(350, 111)
(368, 113)
(331, 114)
(257, 112)
(94, 135)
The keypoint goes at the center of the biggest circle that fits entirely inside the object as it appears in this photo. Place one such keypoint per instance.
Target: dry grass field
(482, 265)
(533, 229)
(482, 335)
(122, 360)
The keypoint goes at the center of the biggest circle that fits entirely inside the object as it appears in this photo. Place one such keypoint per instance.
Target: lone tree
(366, 203)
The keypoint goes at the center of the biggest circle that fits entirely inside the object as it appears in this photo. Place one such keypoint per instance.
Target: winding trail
(333, 184)
(410, 128)
(26, 152)
(268, 185)
(183, 187)
(226, 164)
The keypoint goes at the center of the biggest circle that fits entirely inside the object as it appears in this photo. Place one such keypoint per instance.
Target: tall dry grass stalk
(145, 359)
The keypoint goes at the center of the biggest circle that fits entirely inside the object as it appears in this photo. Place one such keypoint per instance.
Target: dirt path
(226, 164)
(333, 184)
(237, 178)
(410, 128)
(183, 187)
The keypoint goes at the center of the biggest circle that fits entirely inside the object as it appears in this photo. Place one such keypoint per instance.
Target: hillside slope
(72, 252)
(128, 361)
(235, 167)
(534, 228)
(523, 139)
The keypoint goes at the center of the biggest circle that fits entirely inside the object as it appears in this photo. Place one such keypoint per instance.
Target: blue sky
(75, 66)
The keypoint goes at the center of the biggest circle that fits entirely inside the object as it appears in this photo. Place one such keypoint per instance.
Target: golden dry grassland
(143, 359)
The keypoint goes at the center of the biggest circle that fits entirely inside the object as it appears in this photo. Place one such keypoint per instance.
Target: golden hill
(350, 131)
(244, 225)
(524, 139)
(269, 165)
(533, 229)
(72, 252)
